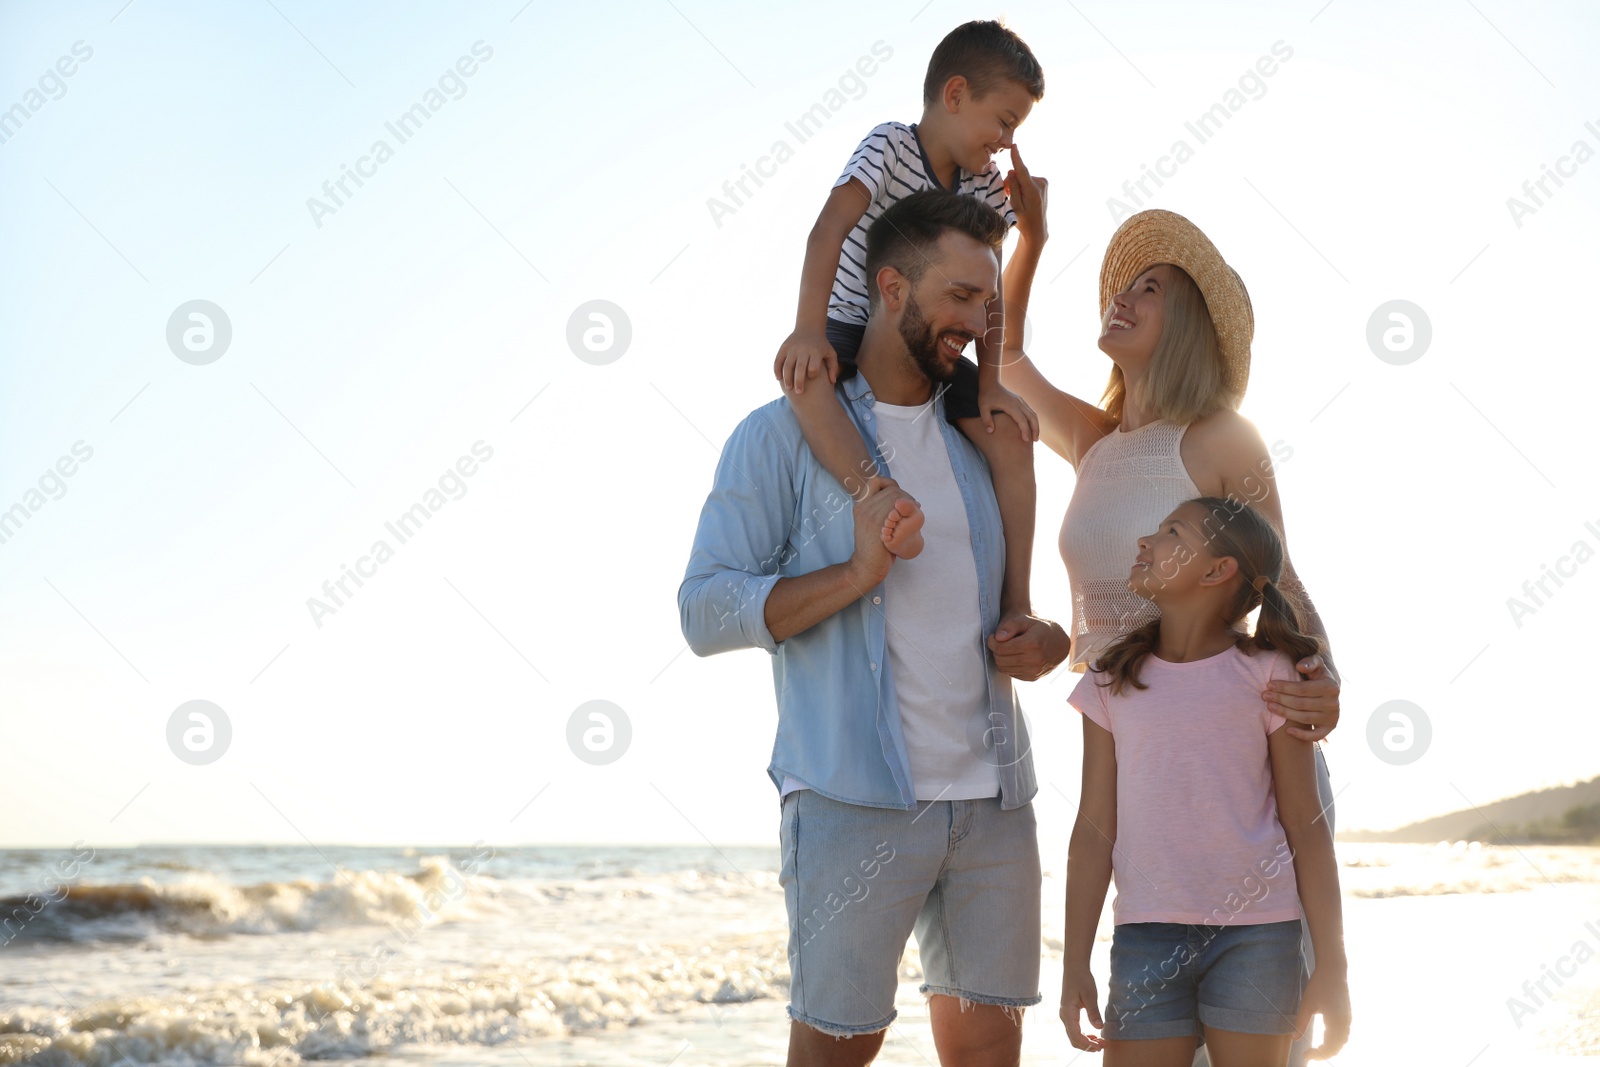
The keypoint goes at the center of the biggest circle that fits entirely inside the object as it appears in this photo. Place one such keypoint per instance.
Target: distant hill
(1568, 814)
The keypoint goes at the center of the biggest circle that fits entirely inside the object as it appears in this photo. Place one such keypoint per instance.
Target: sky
(194, 479)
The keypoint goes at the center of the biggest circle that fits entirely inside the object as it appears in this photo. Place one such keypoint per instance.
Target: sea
(1460, 954)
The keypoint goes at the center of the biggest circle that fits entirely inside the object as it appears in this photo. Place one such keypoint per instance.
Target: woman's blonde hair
(1185, 380)
(1233, 528)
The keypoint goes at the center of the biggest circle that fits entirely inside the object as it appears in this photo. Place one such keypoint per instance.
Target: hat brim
(1156, 236)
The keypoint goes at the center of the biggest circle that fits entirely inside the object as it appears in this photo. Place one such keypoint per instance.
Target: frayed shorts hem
(980, 998)
(838, 1030)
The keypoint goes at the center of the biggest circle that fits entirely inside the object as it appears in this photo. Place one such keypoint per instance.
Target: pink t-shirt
(1198, 838)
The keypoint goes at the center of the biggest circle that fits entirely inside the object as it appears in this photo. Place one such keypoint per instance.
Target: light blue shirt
(775, 513)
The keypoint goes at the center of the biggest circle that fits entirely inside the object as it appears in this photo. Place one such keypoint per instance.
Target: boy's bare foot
(902, 530)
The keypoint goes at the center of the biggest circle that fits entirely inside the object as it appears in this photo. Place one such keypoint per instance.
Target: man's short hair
(987, 55)
(905, 236)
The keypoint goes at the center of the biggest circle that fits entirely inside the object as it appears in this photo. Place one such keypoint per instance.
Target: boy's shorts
(961, 396)
(963, 874)
(1169, 978)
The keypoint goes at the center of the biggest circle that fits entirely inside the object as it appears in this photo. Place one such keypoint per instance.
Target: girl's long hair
(1235, 529)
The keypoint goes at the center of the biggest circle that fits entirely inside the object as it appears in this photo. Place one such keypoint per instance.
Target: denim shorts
(1167, 979)
(962, 874)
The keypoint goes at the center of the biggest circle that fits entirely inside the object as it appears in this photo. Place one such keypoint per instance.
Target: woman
(1177, 325)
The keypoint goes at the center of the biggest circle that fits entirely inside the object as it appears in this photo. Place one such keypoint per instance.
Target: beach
(620, 956)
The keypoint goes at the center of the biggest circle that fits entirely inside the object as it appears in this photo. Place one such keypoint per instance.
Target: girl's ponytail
(1279, 625)
(1242, 532)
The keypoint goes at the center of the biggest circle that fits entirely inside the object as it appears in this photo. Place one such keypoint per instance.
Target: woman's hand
(1078, 994)
(1312, 705)
(1327, 994)
(1029, 197)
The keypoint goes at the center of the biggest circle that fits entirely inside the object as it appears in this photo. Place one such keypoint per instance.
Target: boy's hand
(1327, 994)
(1078, 994)
(993, 396)
(805, 354)
(1029, 197)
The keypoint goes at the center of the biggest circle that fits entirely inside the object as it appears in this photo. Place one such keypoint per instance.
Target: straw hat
(1157, 236)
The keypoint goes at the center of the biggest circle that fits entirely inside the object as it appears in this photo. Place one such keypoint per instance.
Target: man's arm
(743, 533)
(732, 596)
(799, 603)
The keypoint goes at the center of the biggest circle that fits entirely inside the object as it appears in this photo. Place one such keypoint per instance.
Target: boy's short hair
(904, 236)
(986, 54)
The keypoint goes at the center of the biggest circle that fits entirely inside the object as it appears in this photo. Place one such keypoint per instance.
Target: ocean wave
(347, 1020)
(203, 905)
(673, 885)
(1378, 871)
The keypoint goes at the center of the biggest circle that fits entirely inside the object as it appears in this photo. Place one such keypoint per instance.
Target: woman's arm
(1029, 198)
(993, 396)
(1088, 876)
(1007, 314)
(1068, 425)
(1316, 874)
(1227, 450)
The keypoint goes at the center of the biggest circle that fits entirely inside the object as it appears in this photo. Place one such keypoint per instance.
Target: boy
(982, 82)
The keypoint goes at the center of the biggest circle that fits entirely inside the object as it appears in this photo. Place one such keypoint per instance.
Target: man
(901, 759)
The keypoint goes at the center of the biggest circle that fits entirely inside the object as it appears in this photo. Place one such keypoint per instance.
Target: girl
(1204, 809)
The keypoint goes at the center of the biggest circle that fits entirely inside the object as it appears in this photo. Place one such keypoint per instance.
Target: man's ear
(892, 288)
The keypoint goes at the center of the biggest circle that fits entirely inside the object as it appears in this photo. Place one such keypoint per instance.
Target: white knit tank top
(1127, 483)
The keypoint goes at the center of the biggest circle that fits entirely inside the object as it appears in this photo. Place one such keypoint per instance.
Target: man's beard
(922, 343)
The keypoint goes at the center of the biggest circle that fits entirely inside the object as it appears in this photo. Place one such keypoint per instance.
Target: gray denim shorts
(858, 881)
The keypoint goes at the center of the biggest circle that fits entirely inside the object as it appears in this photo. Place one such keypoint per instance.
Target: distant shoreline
(1566, 815)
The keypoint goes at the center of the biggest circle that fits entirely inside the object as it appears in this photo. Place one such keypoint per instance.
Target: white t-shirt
(933, 627)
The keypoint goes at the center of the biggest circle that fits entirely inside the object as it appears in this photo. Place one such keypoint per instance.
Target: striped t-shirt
(892, 165)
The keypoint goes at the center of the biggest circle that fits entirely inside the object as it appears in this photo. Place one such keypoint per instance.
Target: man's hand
(805, 354)
(1311, 706)
(1027, 647)
(992, 397)
(870, 562)
(1029, 196)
